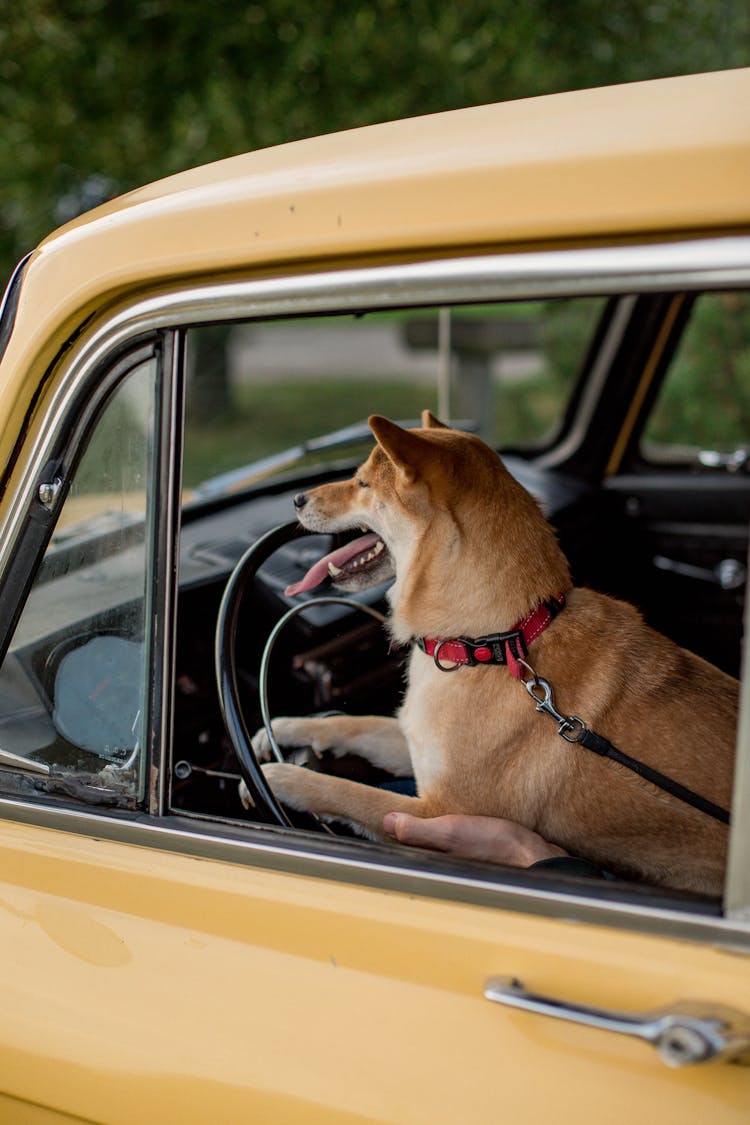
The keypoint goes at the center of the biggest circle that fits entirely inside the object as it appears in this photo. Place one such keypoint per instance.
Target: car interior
(627, 418)
(665, 527)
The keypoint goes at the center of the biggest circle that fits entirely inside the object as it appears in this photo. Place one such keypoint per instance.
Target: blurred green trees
(99, 96)
(705, 402)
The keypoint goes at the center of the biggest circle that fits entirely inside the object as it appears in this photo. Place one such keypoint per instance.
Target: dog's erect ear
(430, 422)
(404, 448)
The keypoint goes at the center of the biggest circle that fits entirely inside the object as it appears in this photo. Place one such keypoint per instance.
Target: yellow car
(569, 275)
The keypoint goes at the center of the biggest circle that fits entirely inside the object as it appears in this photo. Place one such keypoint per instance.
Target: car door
(142, 981)
(169, 964)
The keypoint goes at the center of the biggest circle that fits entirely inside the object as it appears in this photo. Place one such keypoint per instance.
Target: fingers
(471, 837)
(420, 832)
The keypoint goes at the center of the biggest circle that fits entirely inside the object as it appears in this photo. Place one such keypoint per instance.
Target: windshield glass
(258, 391)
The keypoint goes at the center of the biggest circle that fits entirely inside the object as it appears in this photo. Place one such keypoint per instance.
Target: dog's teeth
(334, 571)
(363, 528)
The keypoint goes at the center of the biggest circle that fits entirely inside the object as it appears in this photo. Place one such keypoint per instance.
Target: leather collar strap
(497, 648)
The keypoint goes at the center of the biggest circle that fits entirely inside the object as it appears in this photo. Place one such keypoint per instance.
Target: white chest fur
(420, 722)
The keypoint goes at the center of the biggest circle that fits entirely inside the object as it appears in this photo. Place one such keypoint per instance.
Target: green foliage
(99, 96)
(264, 421)
(705, 401)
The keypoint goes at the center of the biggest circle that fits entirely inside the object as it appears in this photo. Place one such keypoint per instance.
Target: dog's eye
(362, 483)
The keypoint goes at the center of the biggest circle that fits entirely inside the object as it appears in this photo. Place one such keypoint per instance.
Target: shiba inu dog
(483, 588)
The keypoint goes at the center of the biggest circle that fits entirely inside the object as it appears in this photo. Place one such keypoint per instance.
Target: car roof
(670, 154)
(615, 163)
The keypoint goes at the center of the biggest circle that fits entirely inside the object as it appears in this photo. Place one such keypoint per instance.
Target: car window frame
(74, 416)
(609, 271)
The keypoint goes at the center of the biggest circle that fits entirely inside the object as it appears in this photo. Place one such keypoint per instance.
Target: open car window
(274, 407)
(262, 396)
(270, 405)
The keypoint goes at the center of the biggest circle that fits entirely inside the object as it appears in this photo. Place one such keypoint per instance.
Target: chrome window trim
(163, 563)
(375, 868)
(605, 271)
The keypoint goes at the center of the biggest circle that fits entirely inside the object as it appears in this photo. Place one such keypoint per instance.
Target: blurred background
(101, 96)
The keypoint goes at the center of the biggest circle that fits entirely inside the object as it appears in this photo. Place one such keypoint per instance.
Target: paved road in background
(270, 351)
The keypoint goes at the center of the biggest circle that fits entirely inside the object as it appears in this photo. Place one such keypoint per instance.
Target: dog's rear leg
(337, 798)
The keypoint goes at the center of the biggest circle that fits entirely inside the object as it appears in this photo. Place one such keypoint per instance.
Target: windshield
(263, 397)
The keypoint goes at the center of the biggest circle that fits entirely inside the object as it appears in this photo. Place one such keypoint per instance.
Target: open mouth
(363, 562)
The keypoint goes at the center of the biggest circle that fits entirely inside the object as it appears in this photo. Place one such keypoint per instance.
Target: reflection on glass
(73, 685)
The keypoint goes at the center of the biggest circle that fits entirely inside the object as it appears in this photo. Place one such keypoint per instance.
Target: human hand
(488, 838)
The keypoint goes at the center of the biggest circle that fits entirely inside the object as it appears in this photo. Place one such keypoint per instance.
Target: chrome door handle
(685, 1033)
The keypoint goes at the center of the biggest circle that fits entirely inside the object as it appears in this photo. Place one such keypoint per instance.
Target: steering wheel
(267, 808)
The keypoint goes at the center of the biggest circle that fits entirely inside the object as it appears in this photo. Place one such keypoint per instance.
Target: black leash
(574, 730)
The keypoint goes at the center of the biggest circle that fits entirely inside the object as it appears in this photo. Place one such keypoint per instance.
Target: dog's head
(438, 510)
(382, 499)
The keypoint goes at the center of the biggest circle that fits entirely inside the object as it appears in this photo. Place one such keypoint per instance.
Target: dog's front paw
(290, 734)
(291, 785)
(281, 780)
(261, 745)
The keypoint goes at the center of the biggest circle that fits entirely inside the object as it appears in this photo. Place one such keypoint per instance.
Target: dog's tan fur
(472, 555)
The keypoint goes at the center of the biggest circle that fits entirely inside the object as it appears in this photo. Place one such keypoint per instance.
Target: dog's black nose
(300, 500)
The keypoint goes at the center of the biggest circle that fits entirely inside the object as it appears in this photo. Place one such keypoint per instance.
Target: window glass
(73, 684)
(256, 390)
(703, 407)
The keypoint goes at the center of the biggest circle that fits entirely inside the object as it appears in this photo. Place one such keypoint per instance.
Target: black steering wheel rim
(267, 808)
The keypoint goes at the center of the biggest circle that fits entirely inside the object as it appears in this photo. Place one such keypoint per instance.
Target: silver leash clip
(569, 727)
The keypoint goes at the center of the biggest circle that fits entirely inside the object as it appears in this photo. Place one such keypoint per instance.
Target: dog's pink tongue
(340, 557)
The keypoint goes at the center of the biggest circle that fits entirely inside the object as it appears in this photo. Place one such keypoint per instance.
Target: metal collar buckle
(465, 651)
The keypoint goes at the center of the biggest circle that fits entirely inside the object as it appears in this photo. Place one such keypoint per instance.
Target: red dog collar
(498, 648)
